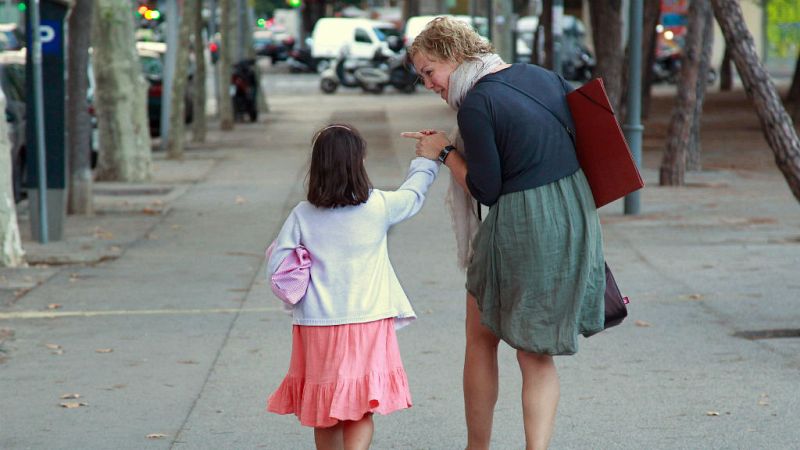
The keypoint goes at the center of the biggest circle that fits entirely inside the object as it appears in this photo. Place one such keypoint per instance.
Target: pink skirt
(342, 372)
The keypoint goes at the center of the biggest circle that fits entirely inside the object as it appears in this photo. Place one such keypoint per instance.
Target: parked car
(415, 25)
(11, 38)
(151, 57)
(273, 44)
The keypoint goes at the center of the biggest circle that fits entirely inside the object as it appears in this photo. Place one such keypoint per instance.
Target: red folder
(602, 150)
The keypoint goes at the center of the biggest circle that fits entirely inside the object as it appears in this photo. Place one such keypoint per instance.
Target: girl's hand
(429, 142)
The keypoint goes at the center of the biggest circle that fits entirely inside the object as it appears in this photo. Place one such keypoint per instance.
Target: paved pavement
(155, 311)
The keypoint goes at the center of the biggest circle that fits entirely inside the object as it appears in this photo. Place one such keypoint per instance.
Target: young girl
(345, 362)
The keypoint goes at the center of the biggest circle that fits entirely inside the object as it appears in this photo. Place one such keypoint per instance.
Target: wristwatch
(445, 151)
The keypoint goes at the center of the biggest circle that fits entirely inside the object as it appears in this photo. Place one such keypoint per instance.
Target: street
(171, 337)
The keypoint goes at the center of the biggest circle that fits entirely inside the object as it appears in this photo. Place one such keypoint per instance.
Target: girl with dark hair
(345, 362)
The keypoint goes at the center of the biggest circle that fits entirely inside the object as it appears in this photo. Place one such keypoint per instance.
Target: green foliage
(783, 28)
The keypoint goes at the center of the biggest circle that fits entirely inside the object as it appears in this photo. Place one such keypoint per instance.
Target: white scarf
(462, 206)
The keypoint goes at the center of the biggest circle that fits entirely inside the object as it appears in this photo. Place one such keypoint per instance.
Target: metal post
(558, 32)
(168, 73)
(212, 33)
(633, 126)
(38, 101)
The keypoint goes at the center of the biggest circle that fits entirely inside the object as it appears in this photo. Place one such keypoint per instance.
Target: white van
(415, 25)
(331, 34)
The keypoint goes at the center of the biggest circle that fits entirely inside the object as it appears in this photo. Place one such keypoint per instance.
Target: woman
(535, 273)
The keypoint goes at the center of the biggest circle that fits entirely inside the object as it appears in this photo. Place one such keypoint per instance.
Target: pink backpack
(290, 282)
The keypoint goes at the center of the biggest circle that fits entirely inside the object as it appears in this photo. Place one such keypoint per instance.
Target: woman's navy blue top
(513, 143)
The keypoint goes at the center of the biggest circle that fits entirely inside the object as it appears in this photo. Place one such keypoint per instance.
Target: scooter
(353, 72)
(370, 75)
(244, 90)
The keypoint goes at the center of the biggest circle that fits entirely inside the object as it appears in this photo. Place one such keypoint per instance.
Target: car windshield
(380, 34)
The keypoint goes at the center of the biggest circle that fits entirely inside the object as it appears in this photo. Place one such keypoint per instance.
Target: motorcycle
(370, 75)
(667, 68)
(244, 90)
(579, 65)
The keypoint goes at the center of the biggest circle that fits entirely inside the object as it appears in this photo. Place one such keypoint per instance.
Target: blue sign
(52, 37)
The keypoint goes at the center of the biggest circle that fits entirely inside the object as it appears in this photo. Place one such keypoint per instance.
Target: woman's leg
(358, 433)
(329, 438)
(480, 378)
(540, 393)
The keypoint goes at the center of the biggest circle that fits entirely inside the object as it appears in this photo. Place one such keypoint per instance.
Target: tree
(177, 111)
(199, 79)
(775, 122)
(606, 19)
(225, 106)
(79, 126)
(793, 97)
(693, 159)
(679, 134)
(121, 95)
(11, 253)
(726, 71)
(650, 16)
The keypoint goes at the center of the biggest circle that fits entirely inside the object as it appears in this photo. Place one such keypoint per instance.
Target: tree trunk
(652, 13)
(673, 163)
(79, 125)
(652, 10)
(794, 90)
(199, 126)
(121, 95)
(546, 23)
(793, 97)
(707, 18)
(775, 122)
(11, 253)
(225, 106)
(177, 111)
(606, 18)
(726, 71)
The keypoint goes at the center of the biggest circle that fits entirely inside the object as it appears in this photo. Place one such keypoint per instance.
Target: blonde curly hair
(449, 39)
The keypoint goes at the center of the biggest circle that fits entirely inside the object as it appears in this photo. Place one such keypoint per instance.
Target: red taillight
(213, 47)
(155, 90)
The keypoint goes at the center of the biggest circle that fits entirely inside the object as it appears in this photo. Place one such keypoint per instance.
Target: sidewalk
(155, 313)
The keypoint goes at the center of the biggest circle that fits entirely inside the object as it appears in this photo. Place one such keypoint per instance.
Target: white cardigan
(352, 279)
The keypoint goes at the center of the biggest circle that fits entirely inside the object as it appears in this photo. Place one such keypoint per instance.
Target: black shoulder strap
(569, 130)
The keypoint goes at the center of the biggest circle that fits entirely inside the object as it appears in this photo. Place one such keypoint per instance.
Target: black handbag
(616, 309)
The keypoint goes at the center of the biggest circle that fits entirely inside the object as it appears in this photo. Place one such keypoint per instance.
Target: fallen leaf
(156, 436)
(642, 324)
(712, 413)
(53, 346)
(104, 350)
(70, 396)
(54, 306)
(695, 297)
(151, 211)
(240, 200)
(100, 233)
(72, 405)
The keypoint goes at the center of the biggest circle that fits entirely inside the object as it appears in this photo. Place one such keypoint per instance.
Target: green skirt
(538, 268)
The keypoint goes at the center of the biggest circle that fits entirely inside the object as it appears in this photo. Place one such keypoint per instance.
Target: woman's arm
(430, 144)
